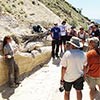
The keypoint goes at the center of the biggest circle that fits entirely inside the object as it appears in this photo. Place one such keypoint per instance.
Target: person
(82, 35)
(55, 34)
(13, 70)
(73, 31)
(92, 23)
(95, 31)
(93, 67)
(63, 33)
(73, 64)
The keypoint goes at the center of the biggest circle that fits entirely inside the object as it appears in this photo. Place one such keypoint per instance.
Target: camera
(61, 89)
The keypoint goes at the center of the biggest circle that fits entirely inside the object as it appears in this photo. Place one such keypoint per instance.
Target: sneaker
(18, 82)
(61, 50)
(13, 85)
(57, 57)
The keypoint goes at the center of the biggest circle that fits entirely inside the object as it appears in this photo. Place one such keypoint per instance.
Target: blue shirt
(55, 32)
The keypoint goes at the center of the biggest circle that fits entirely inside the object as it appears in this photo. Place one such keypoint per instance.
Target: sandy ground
(42, 85)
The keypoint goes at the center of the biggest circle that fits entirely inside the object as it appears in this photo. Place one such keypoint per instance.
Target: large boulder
(31, 46)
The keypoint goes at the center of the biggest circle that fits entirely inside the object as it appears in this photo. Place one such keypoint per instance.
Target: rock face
(26, 63)
(18, 16)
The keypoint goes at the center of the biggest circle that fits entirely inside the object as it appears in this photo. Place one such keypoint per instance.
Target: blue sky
(90, 8)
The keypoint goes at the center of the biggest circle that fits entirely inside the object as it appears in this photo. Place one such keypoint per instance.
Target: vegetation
(60, 7)
(66, 11)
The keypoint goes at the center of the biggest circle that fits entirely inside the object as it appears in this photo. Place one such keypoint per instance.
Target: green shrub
(73, 23)
(8, 9)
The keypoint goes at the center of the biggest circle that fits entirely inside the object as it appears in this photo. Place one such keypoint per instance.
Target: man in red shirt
(93, 72)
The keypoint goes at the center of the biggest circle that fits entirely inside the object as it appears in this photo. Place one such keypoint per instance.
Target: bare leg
(67, 95)
(92, 93)
(99, 87)
(79, 94)
(65, 48)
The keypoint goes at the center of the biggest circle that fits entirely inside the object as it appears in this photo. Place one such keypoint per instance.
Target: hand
(62, 82)
(9, 56)
(85, 75)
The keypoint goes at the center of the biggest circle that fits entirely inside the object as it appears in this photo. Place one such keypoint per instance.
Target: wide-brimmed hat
(75, 41)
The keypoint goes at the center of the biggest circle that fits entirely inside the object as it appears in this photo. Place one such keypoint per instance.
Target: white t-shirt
(74, 60)
(63, 29)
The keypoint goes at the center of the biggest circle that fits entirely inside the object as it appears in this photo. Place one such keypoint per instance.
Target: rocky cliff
(66, 11)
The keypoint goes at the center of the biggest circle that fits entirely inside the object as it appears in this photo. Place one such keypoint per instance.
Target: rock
(26, 63)
(16, 38)
(33, 45)
(1, 44)
(44, 49)
(25, 54)
(35, 53)
(37, 28)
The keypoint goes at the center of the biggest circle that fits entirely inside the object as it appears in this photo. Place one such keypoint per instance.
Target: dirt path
(42, 85)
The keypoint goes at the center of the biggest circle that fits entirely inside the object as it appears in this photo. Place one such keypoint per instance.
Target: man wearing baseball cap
(73, 63)
(55, 34)
(93, 68)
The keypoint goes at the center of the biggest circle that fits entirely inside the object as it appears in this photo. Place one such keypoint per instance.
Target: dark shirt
(55, 32)
(96, 33)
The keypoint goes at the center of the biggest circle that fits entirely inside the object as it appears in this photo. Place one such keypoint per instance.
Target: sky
(90, 8)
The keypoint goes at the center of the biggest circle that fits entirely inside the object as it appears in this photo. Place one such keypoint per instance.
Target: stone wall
(26, 63)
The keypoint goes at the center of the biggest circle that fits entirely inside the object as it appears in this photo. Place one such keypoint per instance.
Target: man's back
(73, 60)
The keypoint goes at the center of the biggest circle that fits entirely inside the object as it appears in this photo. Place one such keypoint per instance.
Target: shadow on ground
(56, 61)
(7, 92)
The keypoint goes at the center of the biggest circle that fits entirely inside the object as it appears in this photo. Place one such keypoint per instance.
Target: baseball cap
(94, 39)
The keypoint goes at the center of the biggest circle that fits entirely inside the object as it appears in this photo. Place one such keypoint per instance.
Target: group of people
(78, 66)
(60, 34)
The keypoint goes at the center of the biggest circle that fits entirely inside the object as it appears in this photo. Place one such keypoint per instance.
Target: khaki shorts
(92, 82)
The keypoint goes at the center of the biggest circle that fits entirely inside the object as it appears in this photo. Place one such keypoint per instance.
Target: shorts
(92, 82)
(78, 84)
(63, 40)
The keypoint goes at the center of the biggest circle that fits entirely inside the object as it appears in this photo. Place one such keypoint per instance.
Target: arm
(64, 67)
(86, 68)
(63, 70)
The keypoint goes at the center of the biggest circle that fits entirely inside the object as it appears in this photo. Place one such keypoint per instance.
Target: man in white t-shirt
(63, 34)
(73, 63)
